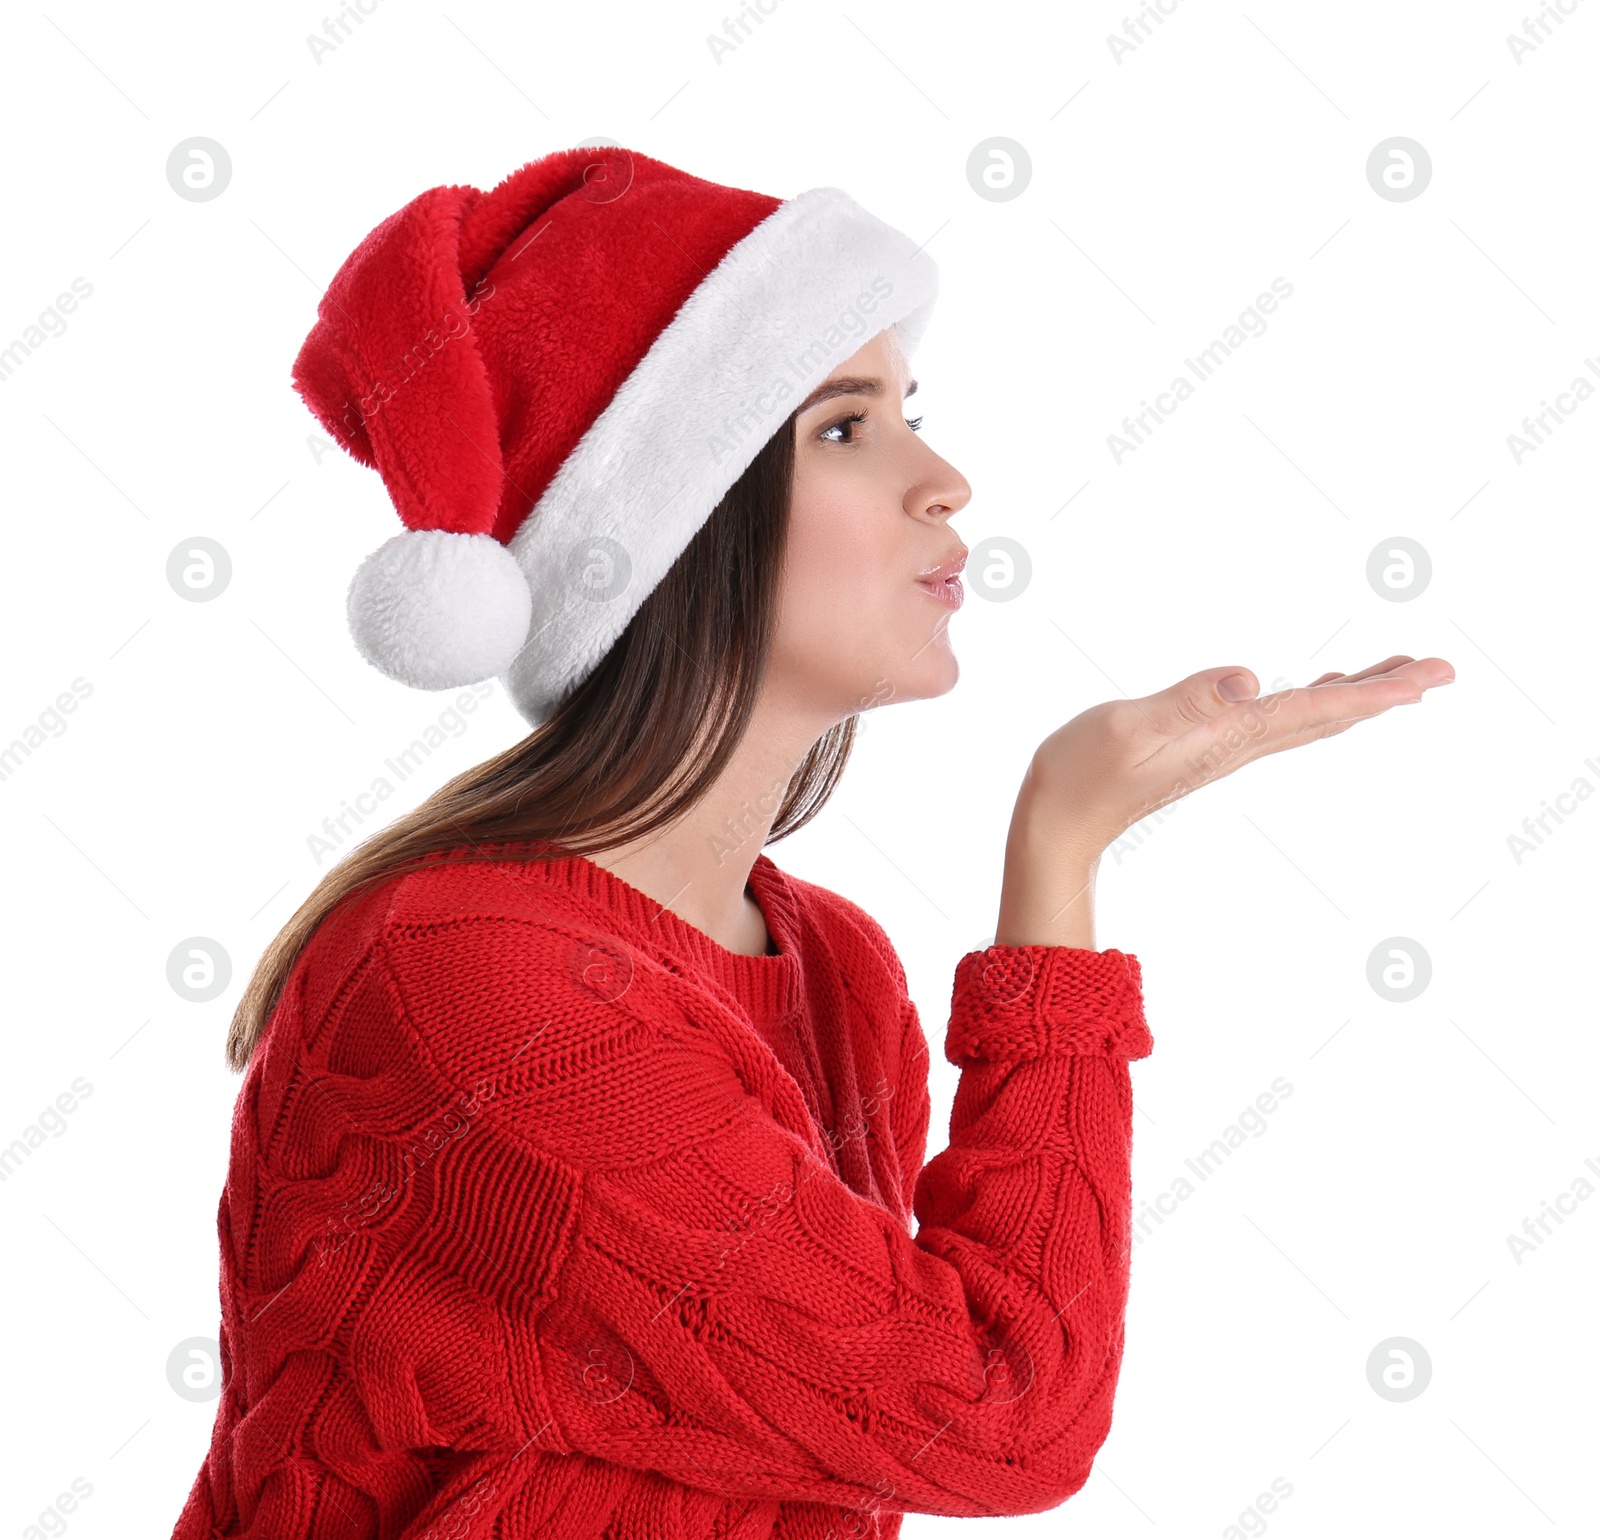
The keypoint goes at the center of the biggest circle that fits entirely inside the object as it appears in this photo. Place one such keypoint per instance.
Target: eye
(846, 421)
(850, 419)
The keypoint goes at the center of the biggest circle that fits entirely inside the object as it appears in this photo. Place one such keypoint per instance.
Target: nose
(940, 494)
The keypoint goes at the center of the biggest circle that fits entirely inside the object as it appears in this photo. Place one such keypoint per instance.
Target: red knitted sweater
(546, 1215)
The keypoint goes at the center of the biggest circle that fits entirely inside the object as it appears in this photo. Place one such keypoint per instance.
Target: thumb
(1201, 697)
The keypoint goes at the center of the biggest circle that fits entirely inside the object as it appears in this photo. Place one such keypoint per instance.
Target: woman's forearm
(1047, 893)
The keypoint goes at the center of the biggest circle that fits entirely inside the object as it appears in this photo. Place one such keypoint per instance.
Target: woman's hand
(1120, 761)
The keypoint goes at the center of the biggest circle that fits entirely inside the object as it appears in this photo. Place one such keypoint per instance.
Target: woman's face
(870, 516)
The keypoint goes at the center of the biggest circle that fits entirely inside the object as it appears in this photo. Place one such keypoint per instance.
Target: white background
(1167, 190)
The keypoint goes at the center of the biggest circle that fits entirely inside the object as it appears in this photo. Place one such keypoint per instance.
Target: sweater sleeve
(912, 1107)
(684, 1286)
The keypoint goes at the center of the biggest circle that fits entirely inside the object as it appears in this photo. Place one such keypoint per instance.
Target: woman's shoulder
(449, 905)
(462, 965)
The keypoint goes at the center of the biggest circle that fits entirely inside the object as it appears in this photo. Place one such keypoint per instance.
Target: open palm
(1115, 763)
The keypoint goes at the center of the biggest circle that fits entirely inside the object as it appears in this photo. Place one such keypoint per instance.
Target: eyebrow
(849, 385)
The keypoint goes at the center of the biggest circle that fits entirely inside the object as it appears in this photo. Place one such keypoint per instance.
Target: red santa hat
(559, 379)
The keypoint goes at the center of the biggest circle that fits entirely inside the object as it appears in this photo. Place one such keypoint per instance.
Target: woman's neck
(699, 867)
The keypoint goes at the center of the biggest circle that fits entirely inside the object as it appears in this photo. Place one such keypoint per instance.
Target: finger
(1194, 701)
(1310, 734)
(1197, 723)
(1425, 673)
(1370, 698)
(1420, 674)
(1373, 670)
(1366, 673)
(1201, 727)
(1206, 765)
(1287, 718)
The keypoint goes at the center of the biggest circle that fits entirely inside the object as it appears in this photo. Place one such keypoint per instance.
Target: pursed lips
(944, 581)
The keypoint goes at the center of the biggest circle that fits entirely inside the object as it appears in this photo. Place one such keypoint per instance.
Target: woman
(575, 1167)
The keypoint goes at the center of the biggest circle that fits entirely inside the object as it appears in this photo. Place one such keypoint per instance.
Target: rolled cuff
(1011, 1003)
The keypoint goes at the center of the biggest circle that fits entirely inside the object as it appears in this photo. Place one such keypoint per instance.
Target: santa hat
(559, 379)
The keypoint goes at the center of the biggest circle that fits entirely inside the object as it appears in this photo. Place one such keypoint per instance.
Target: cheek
(842, 557)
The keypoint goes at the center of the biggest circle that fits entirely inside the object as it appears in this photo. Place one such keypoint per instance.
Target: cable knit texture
(546, 1215)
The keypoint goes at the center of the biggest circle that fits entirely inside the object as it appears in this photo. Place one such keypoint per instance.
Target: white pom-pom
(436, 610)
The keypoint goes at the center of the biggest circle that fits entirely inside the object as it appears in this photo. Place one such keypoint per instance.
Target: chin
(933, 673)
(946, 676)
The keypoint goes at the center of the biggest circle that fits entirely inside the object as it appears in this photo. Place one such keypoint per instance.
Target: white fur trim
(435, 609)
(781, 311)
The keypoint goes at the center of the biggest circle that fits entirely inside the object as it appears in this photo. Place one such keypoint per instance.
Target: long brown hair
(634, 746)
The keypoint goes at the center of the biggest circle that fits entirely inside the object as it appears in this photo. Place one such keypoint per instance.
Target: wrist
(1047, 893)
(1047, 909)
(1040, 834)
